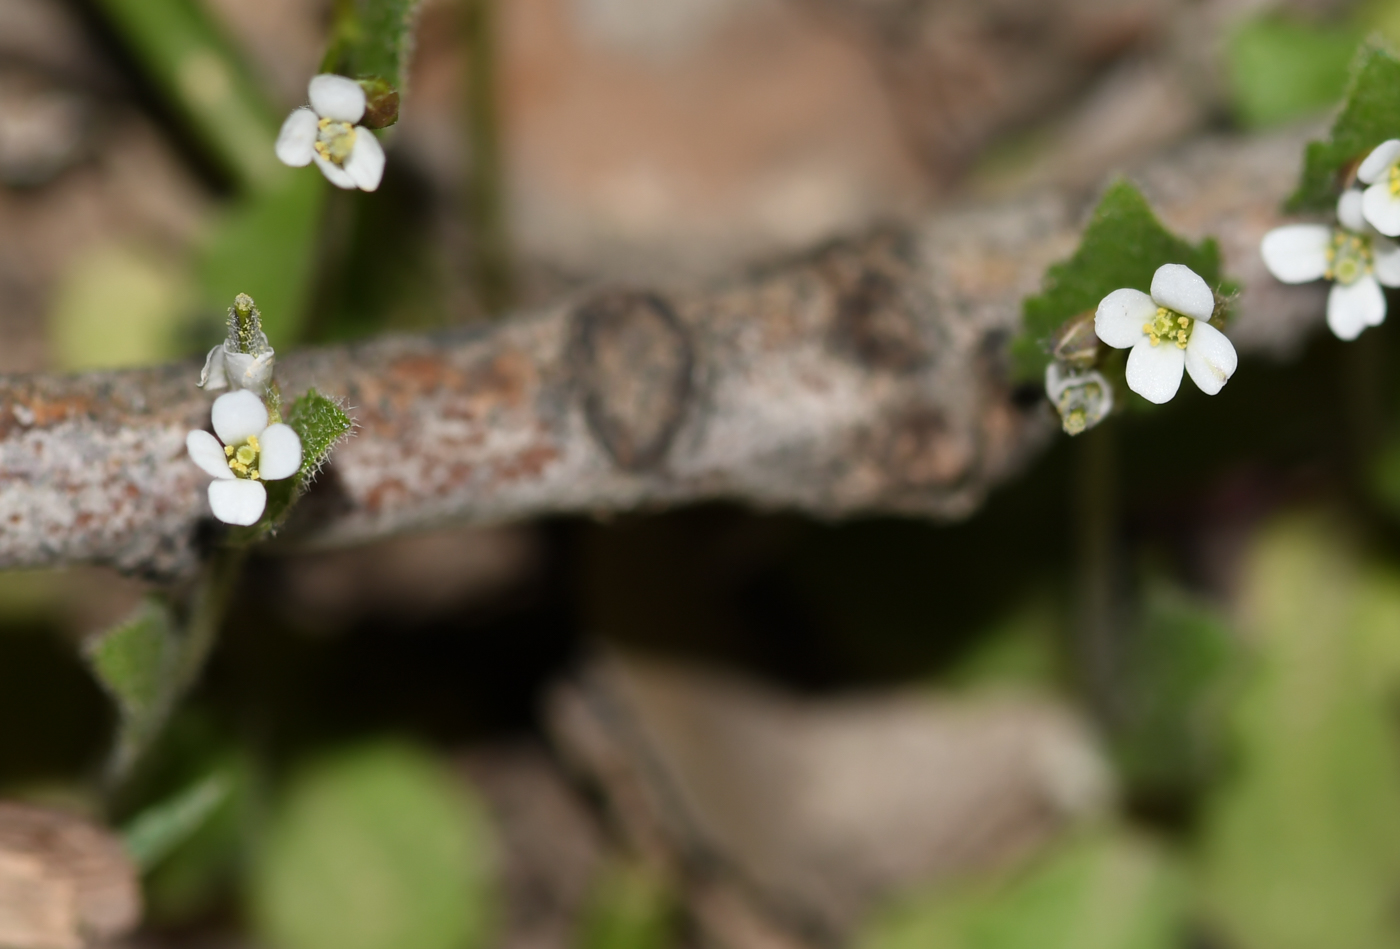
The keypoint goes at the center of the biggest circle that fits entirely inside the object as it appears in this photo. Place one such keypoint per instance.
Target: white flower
(247, 452)
(1082, 397)
(1168, 332)
(1381, 201)
(1354, 256)
(348, 154)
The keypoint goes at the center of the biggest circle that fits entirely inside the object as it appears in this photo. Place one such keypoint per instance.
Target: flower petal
(1379, 161)
(1297, 253)
(365, 166)
(281, 453)
(296, 143)
(1350, 309)
(334, 173)
(250, 372)
(212, 376)
(337, 98)
(1382, 208)
(238, 415)
(1178, 287)
(1210, 358)
(1349, 213)
(238, 501)
(1154, 372)
(206, 452)
(1121, 315)
(1387, 261)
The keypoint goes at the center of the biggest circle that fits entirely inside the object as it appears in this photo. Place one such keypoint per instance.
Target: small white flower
(1354, 256)
(1381, 201)
(1168, 332)
(1083, 398)
(327, 133)
(247, 452)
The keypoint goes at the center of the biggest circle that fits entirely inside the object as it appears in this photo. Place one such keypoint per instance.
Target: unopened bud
(381, 103)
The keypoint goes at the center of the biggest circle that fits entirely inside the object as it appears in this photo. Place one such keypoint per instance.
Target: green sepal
(1122, 246)
(1370, 115)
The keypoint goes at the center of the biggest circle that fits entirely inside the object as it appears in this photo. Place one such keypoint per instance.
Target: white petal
(1297, 253)
(1382, 208)
(238, 501)
(365, 166)
(1121, 316)
(1387, 261)
(281, 453)
(1350, 309)
(212, 375)
(1349, 213)
(238, 415)
(334, 173)
(296, 143)
(1210, 358)
(1178, 287)
(337, 98)
(1154, 372)
(1379, 161)
(206, 452)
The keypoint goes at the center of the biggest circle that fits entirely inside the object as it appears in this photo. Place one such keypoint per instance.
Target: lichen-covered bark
(865, 376)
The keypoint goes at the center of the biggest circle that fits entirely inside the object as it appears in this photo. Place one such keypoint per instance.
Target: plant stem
(1096, 536)
(485, 210)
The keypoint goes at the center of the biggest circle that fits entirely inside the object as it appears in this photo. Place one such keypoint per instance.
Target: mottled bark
(864, 376)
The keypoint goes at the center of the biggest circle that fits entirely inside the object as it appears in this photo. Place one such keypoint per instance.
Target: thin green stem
(491, 267)
(1096, 529)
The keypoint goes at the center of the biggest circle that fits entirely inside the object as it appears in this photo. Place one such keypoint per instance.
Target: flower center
(1348, 257)
(334, 140)
(243, 459)
(1170, 326)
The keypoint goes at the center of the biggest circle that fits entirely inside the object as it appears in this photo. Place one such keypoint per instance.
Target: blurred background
(1145, 697)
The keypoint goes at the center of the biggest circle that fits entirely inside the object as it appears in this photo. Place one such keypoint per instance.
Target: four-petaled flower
(1168, 332)
(1353, 256)
(247, 452)
(327, 133)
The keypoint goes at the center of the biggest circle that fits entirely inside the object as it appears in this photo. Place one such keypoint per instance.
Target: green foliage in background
(630, 907)
(1175, 685)
(1122, 246)
(1280, 69)
(136, 663)
(1371, 115)
(1102, 890)
(1302, 848)
(374, 848)
(203, 78)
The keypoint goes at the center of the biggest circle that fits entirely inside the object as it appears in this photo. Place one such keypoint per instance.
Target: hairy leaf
(321, 423)
(159, 830)
(1370, 115)
(1123, 246)
(138, 664)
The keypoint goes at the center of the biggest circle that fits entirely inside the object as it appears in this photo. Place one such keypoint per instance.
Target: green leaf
(1280, 69)
(138, 664)
(630, 907)
(1123, 246)
(1371, 115)
(1178, 669)
(373, 39)
(159, 830)
(199, 73)
(1302, 847)
(1107, 890)
(321, 423)
(375, 848)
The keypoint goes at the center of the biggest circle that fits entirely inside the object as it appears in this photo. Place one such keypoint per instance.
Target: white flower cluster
(329, 134)
(1356, 255)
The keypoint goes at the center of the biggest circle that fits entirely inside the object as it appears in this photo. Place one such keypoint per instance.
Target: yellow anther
(228, 451)
(1183, 322)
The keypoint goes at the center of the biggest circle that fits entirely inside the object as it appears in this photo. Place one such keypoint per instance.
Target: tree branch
(864, 376)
